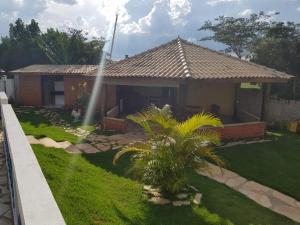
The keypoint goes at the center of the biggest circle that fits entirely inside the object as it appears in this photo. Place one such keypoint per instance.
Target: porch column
(182, 96)
(236, 100)
(265, 101)
(103, 100)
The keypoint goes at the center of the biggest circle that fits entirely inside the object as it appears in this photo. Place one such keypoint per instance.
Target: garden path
(263, 195)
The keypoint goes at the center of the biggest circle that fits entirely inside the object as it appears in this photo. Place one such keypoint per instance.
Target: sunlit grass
(274, 164)
(99, 193)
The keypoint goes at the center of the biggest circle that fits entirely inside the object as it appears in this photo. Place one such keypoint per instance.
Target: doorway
(53, 91)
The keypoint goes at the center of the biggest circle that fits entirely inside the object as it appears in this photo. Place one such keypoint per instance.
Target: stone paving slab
(32, 140)
(48, 142)
(263, 195)
(87, 148)
(64, 144)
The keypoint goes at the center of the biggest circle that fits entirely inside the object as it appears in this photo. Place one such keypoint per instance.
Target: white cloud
(298, 9)
(141, 25)
(217, 2)
(245, 13)
(178, 10)
(175, 10)
(19, 2)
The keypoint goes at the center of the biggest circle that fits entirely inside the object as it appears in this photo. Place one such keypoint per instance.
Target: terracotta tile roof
(178, 59)
(182, 59)
(56, 69)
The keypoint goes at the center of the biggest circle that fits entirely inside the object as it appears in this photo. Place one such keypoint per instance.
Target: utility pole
(113, 38)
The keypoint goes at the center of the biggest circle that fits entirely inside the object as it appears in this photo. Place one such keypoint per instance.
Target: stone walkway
(265, 196)
(96, 143)
(5, 206)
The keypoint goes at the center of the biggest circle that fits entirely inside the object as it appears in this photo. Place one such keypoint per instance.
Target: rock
(197, 199)
(182, 195)
(32, 140)
(193, 188)
(181, 203)
(87, 148)
(159, 201)
(154, 193)
(147, 187)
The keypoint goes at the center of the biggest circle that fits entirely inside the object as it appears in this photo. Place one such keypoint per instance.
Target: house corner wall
(74, 86)
(29, 90)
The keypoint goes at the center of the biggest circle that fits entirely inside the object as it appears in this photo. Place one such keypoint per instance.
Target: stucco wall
(203, 95)
(75, 86)
(29, 90)
(283, 110)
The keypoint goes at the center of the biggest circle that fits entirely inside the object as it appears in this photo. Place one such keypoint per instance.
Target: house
(189, 77)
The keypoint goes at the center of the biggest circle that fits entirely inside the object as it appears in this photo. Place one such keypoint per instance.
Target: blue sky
(143, 24)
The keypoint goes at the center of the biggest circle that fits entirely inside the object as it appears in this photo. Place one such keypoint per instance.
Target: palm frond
(128, 149)
(197, 121)
(141, 120)
(209, 154)
(208, 136)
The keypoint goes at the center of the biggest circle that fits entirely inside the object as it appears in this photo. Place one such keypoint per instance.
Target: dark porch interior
(132, 99)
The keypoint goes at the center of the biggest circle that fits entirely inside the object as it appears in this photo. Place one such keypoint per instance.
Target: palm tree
(173, 149)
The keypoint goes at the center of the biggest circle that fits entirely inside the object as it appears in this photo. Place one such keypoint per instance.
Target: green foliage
(269, 43)
(173, 149)
(82, 101)
(27, 45)
(279, 48)
(39, 126)
(236, 33)
(90, 190)
(274, 164)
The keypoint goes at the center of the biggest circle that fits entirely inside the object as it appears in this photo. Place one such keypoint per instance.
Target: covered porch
(231, 101)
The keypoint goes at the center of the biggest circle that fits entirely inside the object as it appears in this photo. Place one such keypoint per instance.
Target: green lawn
(275, 164)
(90, 190)
(39, 126)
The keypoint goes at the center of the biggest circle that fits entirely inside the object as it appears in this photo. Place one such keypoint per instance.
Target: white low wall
(32, 200)
(283, 110)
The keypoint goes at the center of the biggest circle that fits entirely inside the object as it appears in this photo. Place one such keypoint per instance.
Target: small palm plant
(173, 149)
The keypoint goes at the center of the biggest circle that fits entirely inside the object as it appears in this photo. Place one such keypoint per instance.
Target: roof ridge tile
(182, 57)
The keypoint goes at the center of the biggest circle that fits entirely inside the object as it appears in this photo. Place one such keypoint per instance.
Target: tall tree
(279, 48)
(27, 45)
(236, 33)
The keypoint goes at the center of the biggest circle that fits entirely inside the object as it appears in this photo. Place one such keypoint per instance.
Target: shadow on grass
(104, 160)
(33, 119)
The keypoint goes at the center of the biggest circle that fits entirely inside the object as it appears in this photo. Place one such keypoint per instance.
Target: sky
(142, 24)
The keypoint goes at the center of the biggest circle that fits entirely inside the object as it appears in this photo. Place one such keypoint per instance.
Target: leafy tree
(173, 149)
(279, 48)
(236, 33)
(27, 45)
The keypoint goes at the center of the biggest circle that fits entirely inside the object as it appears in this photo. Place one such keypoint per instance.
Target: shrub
(173, 149)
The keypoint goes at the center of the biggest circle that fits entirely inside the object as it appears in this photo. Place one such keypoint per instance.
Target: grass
(275, 164)
(39, 126)
(90, 190)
